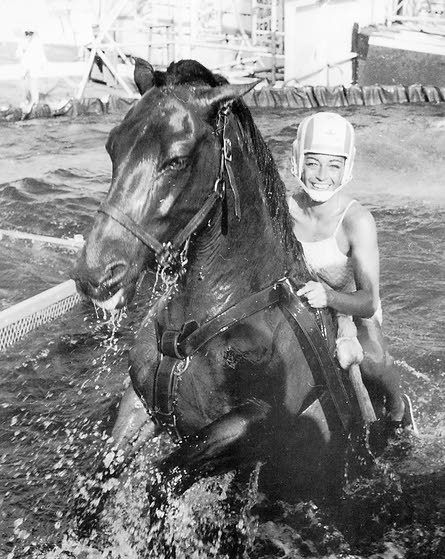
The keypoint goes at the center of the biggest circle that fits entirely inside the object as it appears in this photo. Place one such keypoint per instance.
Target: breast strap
(176, 346)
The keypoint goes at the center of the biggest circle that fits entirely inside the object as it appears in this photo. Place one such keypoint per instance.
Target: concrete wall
(319, 33)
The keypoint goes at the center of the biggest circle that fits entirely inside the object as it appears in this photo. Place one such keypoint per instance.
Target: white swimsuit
(328, 262)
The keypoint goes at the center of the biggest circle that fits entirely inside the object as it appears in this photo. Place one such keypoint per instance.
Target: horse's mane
(191, 72)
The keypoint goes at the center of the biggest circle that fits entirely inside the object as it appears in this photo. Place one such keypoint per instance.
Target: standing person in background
(339, 240)
(33, 61)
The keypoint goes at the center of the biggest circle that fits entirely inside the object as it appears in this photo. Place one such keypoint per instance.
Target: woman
(339, 239)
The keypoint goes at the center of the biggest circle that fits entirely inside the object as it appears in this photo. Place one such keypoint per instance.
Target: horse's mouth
(116, 301)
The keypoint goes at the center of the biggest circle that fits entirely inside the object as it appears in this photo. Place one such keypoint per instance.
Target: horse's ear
(224, 93)
(144, 75)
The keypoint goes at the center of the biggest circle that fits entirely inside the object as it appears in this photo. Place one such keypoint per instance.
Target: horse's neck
(224, 269)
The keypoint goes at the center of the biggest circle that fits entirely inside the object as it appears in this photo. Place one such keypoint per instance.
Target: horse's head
(166, 158)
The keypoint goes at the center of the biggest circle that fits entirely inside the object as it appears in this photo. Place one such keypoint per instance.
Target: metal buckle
(166, 255)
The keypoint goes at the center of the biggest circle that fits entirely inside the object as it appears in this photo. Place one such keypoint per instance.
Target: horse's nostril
(87, 288)
(114, 273)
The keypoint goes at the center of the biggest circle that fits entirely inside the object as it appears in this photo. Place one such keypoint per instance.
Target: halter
(167, 253)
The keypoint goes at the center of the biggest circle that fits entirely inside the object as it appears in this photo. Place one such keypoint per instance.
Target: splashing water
(197, 524)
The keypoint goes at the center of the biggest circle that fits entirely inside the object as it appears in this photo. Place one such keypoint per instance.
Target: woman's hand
(316, 293)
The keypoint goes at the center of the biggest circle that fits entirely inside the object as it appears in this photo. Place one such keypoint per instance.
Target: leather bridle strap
(126, 222)
(149, 240)
(196, 220)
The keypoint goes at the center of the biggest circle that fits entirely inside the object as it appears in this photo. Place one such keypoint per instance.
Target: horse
(228, 360)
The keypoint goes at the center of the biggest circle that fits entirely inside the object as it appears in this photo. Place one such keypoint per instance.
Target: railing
(26, 316)
(418, 10)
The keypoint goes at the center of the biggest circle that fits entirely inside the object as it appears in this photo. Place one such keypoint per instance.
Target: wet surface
(60, 386)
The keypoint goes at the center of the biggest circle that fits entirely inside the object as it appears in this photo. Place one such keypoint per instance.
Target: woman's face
(323, 172)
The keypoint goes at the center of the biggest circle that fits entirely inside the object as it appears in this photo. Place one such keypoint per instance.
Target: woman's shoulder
(355, 210)
(358, 220)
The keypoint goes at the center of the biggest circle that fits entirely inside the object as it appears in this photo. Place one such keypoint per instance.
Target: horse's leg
(222, 445)
(225, 443)
(233, 439)
(133, 424)
(133, 427)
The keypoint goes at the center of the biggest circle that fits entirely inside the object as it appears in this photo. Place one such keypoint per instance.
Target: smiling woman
(339, 239)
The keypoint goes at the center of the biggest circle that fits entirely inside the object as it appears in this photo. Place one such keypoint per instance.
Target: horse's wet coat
(244, 391)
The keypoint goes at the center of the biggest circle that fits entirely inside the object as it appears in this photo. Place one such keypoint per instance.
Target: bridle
(167, 253)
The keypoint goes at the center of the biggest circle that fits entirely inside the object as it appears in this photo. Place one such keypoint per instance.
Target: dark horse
(229, 360)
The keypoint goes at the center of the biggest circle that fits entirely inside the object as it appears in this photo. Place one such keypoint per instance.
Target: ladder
(268, 29)
(268, 24)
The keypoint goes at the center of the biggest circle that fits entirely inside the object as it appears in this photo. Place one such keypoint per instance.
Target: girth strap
(178, 345)
(164, 393)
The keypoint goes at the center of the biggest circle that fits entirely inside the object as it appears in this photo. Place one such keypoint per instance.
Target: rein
(167, 253)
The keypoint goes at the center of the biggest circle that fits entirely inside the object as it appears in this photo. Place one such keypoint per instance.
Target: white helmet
(329, 134)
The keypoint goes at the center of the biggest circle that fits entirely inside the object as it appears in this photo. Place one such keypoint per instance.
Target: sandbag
(330, 96)
(415, 93)
(93, 106)
(354, 95)
(432, 94)
(263, 98)
(393, 94)
(120, 104)
(372, 94)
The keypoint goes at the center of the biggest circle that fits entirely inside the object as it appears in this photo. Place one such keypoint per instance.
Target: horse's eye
(176, 164)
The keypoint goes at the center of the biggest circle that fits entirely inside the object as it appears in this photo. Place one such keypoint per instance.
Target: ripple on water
(61, 385)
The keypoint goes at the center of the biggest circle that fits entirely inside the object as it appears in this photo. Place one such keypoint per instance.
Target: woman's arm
(361, 232)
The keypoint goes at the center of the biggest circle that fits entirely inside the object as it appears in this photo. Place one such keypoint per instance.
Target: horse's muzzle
(109, 288)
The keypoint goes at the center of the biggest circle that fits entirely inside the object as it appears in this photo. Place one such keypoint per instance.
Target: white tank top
(328, 262)
(325, 259)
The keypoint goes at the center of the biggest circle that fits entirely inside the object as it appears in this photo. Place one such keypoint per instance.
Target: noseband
(167, 253)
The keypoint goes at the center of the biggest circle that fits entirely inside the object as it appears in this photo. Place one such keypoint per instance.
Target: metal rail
(20, 319)
(76, 242)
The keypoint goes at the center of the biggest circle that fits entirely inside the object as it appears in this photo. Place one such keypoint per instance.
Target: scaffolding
(417, 10)
(165, 31)
(268, 30)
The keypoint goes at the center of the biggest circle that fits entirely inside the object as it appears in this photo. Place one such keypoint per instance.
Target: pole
(364, 401)
(273, 30)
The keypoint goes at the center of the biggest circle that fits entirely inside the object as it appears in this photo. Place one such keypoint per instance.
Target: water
(60, 386)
